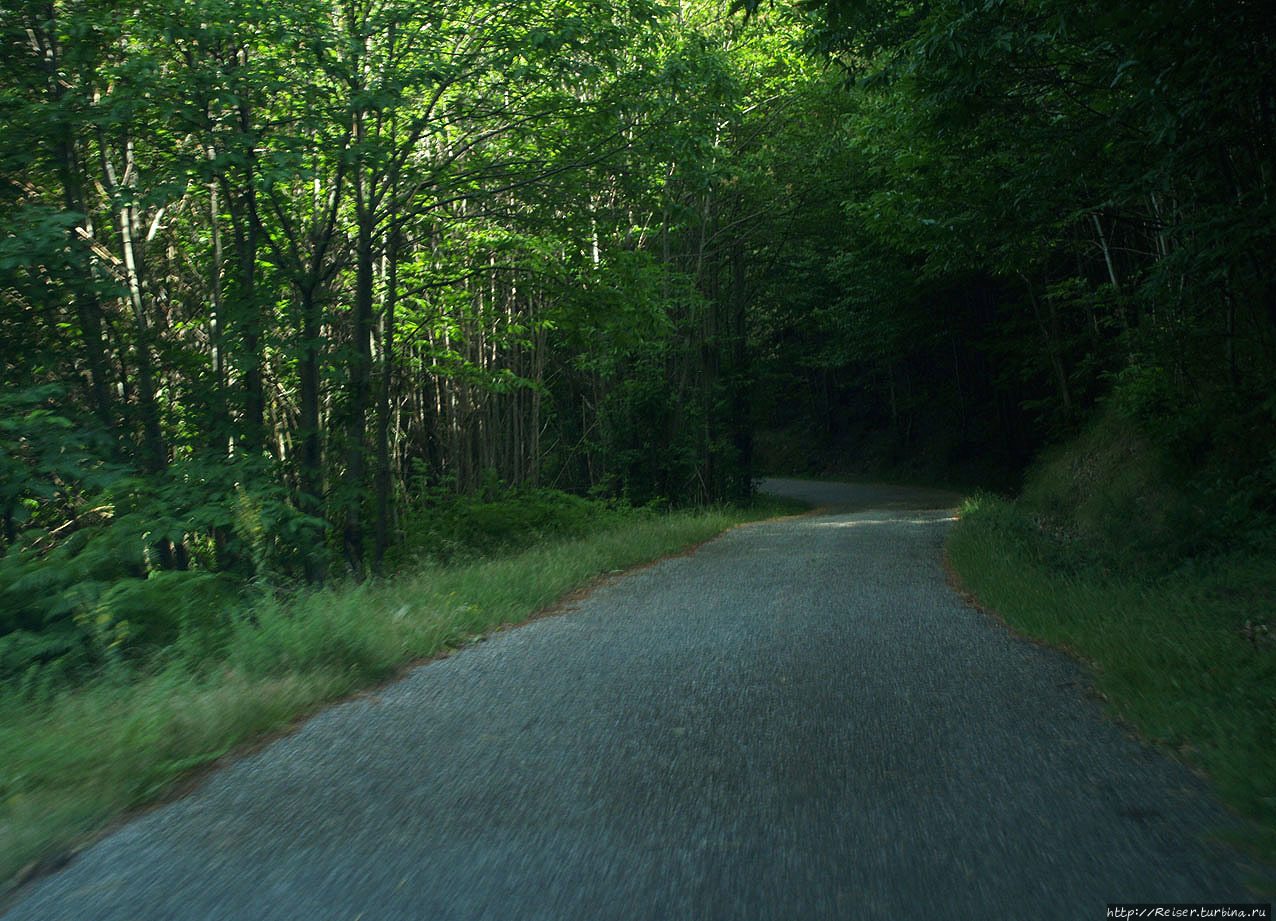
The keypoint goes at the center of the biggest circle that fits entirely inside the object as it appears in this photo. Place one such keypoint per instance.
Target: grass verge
(1187, 657)
(72, 764)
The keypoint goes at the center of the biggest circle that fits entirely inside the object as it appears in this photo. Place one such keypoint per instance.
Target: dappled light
(857, 522)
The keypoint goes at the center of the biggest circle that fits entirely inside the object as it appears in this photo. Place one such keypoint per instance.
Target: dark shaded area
(1033, 211)
(947, 405)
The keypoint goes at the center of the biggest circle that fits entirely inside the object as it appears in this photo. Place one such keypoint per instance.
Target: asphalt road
(798, 721)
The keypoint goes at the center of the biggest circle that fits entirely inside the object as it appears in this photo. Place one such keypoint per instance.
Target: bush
(451, 527)
(90, 601)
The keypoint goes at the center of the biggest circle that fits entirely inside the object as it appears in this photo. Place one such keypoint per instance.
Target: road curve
(798, 721)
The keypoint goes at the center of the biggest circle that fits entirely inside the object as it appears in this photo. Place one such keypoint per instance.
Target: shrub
(451, 527)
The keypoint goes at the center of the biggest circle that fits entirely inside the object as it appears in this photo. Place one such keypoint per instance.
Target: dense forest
(280, 280)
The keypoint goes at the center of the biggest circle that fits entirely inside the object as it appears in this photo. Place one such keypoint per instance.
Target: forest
(278, 280)
(291, 292)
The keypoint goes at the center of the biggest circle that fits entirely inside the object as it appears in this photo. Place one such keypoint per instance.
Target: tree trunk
(384, 482)
(88, 307)
(245, 314)
(360, 380)
(310, 464)
(154, 452)
(739, 379)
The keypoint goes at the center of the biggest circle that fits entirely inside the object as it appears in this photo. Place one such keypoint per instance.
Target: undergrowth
(74, 756)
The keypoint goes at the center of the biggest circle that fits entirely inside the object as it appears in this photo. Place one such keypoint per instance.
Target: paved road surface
(798, 721)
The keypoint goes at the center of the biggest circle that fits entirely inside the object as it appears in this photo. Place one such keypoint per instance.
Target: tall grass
(72, 763)
(1187, 655)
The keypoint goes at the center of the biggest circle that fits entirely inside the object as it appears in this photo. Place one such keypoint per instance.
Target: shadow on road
(856, 497)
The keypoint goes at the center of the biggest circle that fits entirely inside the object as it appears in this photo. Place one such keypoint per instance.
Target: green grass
(1186, 655)
(73, 763)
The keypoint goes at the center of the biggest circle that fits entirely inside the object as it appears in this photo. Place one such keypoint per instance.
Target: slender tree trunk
(1116, 284)
(245, 314)
(739, 378)
(360, 379)
(310, 463)
(384, 483)
(154, 452)
(88, 308)
(248, 240)
(219, 432)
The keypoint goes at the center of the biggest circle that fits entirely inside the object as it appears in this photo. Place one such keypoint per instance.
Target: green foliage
(1113, 492)
(46, 459)
(326, 629)
(1157, 478)
(649, 435)
(265, 263)
(164, 606)
(447, 527)
(90, 602)
(275, 273)
(92, 592)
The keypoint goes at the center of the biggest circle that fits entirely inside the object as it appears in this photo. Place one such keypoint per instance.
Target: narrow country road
(798, 721)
